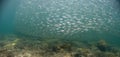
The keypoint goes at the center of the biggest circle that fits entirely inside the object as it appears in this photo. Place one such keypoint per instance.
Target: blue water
(7, 16)
(88, 20)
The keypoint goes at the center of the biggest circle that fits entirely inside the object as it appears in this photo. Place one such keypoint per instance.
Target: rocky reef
(55, 47)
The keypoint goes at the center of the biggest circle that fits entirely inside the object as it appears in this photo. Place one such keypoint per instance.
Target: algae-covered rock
(6, 53)
(83, 52)
(11, 44)
(102, 45)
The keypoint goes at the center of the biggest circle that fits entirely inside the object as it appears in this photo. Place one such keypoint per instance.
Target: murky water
(74, 20)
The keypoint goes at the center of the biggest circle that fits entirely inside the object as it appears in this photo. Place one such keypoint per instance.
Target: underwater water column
(68, 18)
(7, 14)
